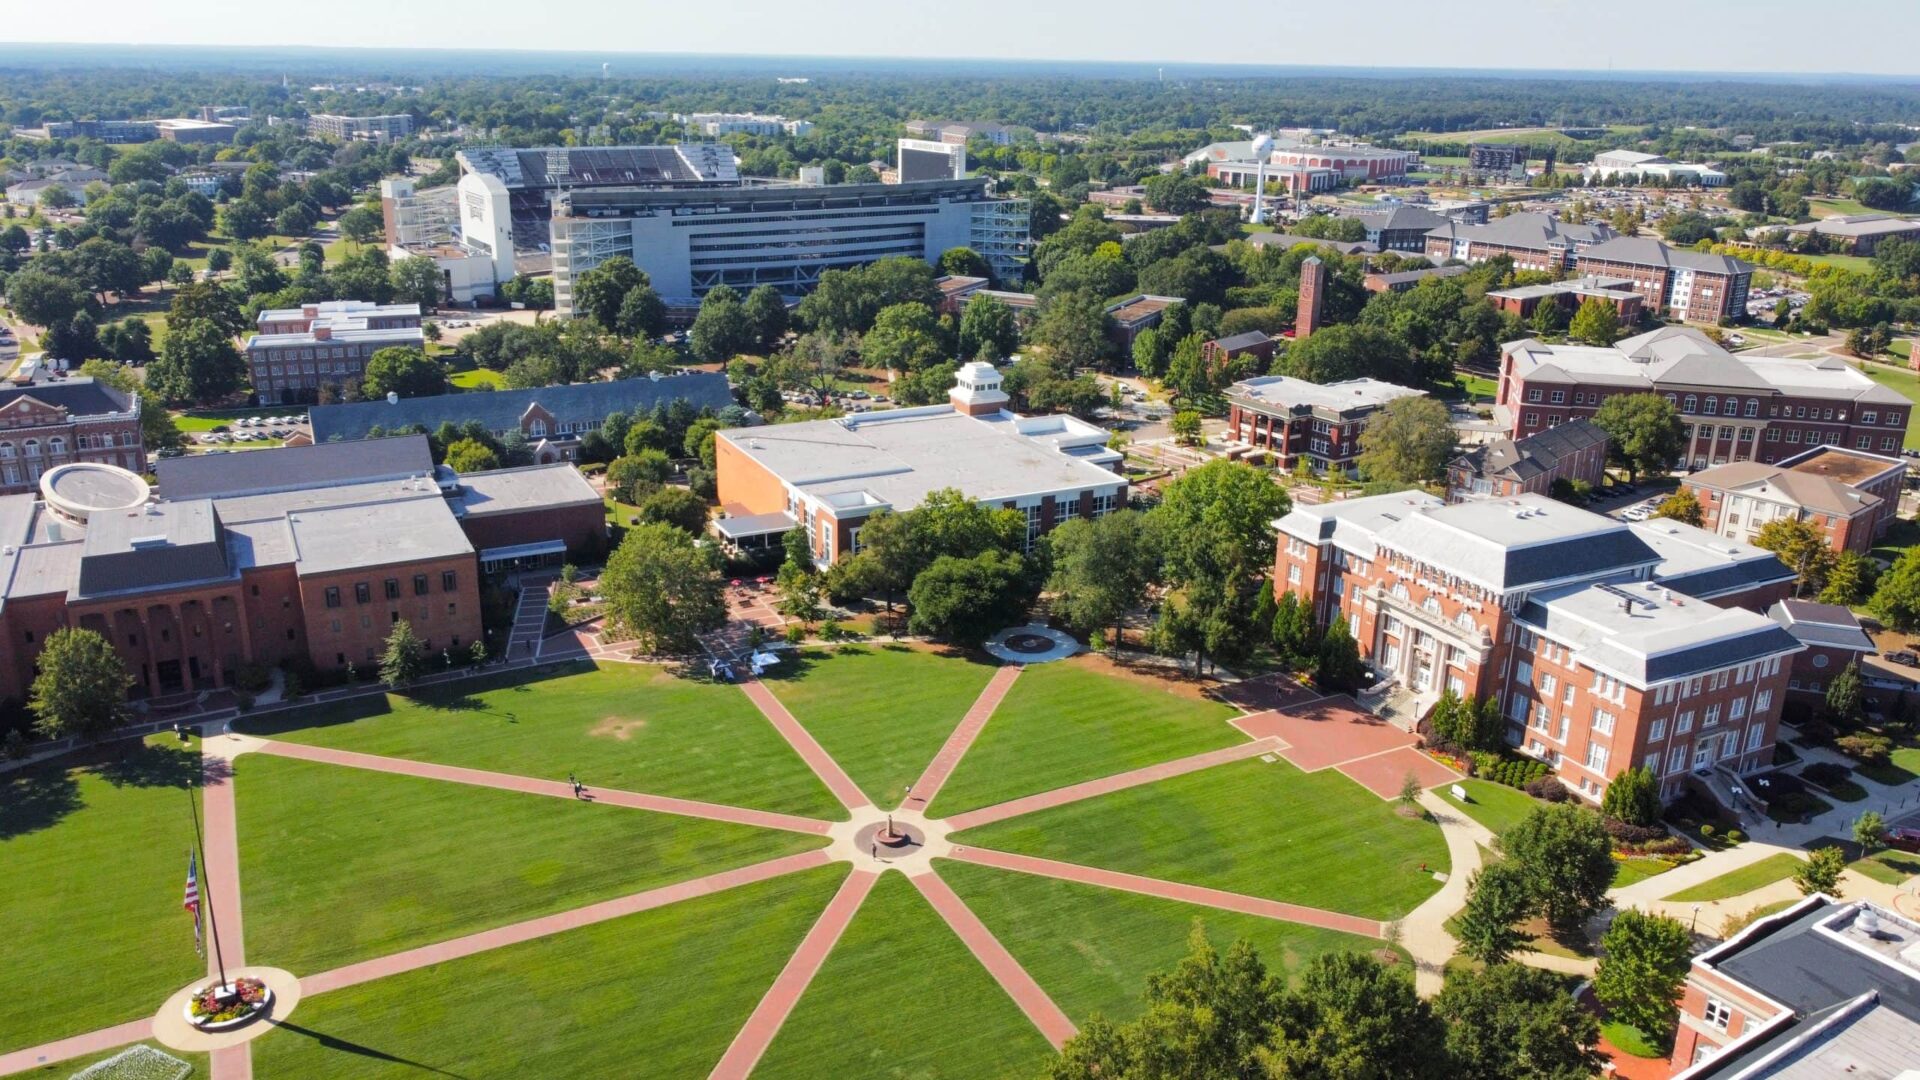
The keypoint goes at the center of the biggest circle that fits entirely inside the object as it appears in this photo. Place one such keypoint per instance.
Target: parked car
(1904, 659)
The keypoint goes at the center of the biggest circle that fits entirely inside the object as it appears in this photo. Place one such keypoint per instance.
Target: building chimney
(323, 333)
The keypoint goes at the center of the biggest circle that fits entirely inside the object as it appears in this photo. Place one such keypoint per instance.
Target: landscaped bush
(1628, 834)
(252, 677)
(1865, 747)
(796, 634)
(1825, 773)
(1817, 733)
(1784, 753)
(1548, 788)
(1512, 771)
(1735, 836)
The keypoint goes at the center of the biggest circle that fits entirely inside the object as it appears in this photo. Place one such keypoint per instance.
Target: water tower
(1262, 149)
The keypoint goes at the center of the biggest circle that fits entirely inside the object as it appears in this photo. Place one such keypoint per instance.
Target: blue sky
(1663, 35)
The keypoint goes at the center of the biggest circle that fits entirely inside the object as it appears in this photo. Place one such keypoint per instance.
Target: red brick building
(1220, 352)
(1298, 420)
(63, 419)
(1826, 988)
(189, 589)
(1532, 241)
(1569, 295)
(1834, 639)
(1606, 645)
(1736, 408)
(1572, 451)
(1850, 495)
(1678, 283)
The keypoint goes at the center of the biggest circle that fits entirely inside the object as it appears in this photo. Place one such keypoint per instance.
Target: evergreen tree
(1340, 669)
(404, 658)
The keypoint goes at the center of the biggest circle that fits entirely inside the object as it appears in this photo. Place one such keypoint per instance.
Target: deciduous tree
(82, 686)
(664, 588)
(1513, 1022)
(1567, 860)
(1682, 506)
(1643, 965)
(1102, 568)
(1802, 546)
(1644, 432)
(967, 600)
(1409, 441)
(1498, 897)
(405, 371)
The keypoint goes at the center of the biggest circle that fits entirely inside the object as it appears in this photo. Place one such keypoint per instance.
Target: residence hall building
(1679, 283)
(1834, 638)
(273, 556)
(1572, 451)
(1568, 295)
(1825, 990)
(1532, 241)
(1607, 645)
(1398, 227)
(1736, 408)
(552, 419)
(827, 476)
(55, 419)
(1298, 420)
(296, 351)
(1849, 495)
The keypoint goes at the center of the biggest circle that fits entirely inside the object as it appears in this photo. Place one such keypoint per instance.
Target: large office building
(1612, 166)
(828, 476)
(296, 351)
(1679, 283)
(1296, 420)
(383, 128)
(1824, 990)
(552, 419)
(690, 240)
(1736, 408)
(1851, 496)
(1532, 241)
(307, 555)
(52, 419)
(1606, 645)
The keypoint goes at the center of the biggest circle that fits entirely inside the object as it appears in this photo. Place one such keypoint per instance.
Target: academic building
(828, 476)
(1296, 420)
(1849, 495)
(310, 554)
(1736, 408)
(54, 419)
(298, 350)
(1607, 645)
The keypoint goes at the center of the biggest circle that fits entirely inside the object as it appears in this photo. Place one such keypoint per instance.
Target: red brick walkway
(1325, 732)
(221, 840)
(758, 1032)
(1383, 774)
(1047, 800)
(233, 1062)
(502, 936)
(957, 744)
(93, 1042)
(1171, 890)
(816, 757)
(558, 789)
(1013, 978)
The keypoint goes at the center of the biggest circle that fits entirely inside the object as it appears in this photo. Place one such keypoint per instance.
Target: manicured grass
(1266, 829)
(657, 994)
(900, 996)
(881, 711)
(1856, 263)
(1092, 949)
(1630, 1039)
(1778, 867)
(1836, 206)
(477, 379)
(1901, 768)
(1631, 871)
(93, 857)
(201, 1067)
(1902, 348)
(625, 726)
(1888, 866)
(1496, 806)
(1066, 722)
(344, 864)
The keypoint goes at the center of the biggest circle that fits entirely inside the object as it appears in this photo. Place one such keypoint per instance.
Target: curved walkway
(762, 1027)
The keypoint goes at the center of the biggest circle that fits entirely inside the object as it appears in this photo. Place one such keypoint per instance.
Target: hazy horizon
(1699, 37)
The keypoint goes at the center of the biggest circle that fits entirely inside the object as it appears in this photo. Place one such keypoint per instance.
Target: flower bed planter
(204, 1011)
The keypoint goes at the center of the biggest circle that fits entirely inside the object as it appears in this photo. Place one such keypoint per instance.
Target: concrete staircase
(1397, 705)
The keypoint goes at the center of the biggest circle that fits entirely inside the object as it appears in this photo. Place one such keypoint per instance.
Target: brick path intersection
(1280, 718)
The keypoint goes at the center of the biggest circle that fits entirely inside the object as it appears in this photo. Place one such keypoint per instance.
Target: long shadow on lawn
(40, 797)
(334, 1043)
(35, 799)
(462, 697)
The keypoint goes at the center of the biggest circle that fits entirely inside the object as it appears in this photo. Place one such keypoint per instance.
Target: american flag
(192, 899)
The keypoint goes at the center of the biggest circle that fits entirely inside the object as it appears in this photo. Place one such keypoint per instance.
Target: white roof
(1284, 391)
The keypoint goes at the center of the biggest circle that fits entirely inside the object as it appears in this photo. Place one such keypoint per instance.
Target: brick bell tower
(976, 390)
(1313, 297)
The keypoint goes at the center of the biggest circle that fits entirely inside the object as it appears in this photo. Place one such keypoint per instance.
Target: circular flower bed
(218, 1008)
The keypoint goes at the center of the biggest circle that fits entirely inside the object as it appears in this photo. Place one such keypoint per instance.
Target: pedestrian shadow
(332, 1042)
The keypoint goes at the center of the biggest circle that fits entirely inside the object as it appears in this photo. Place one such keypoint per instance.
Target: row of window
(57, 445)
(1710, 405)
(363, 591)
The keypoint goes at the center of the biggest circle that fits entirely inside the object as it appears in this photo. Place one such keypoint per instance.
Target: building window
(1102, 505)
(1658, 731)
(1684, 724)
(1692, 405)
(1754, 734)
(419, 584)
(333, 596)
(1870, 417)
(1293, 575)
(1603, 721)
(362, 593)
(446, 581)
(1753, 407)
(1711, 406)
(1761, 700)
(1597, 758)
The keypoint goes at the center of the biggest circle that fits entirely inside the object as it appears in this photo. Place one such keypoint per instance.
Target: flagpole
(206, 893)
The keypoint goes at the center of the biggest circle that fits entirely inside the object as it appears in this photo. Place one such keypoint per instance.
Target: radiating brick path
(1269, 732)
(1047, 800)
(558, 789)
(93, 1042)
(957, 744)
(1171, 890)
(758, 1032)
(816, 757)
(499, 937)
(1013, 978)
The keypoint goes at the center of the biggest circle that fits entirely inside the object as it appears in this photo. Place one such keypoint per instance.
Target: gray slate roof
(163, 544)
(501, 410)
(1533, 455)
(79, 395)
(257, 472)
(1524, 231)
(1646, 251)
